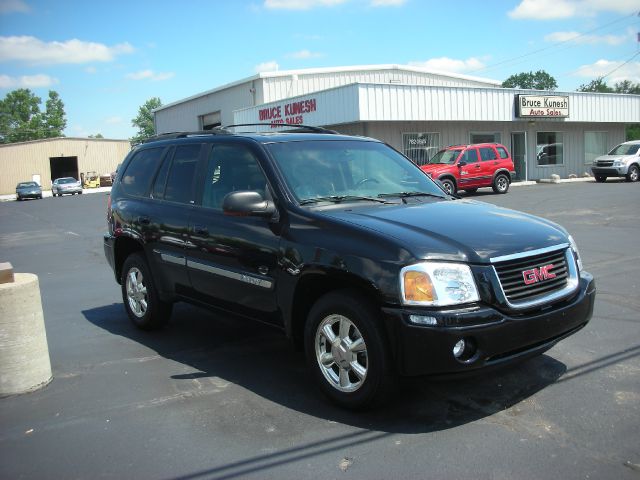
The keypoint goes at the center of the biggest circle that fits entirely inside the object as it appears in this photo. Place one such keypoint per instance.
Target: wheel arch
(124, 246)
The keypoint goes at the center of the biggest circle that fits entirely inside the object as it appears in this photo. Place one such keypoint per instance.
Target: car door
(470, 172)
(489, 163)
(232, 260)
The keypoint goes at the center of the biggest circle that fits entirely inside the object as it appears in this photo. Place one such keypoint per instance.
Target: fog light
(458, 348)
(423, 320)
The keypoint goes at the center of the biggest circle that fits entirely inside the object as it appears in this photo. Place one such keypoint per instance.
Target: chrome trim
(572, 282)
(169, 258)
(241, 277)
(530, 253)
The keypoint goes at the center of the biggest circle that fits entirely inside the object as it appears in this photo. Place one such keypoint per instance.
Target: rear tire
(140, 297)
(347, 352)
(501, 184)
(601, 178)
(633, 174)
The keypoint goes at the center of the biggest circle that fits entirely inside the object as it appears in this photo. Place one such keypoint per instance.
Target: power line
(625, 17)
(621, 65)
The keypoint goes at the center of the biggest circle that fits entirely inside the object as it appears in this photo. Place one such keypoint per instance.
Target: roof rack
(198, 133)
(299, 128)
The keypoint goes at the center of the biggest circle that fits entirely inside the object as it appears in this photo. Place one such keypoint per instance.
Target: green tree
(21, 118)
(539, 80)
(626, 86)
(598, 85)
(144, 120)
(97, 135)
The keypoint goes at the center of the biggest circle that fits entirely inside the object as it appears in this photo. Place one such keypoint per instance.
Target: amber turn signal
(418, 287)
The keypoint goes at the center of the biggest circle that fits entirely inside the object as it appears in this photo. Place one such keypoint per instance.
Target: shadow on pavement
(261, 359)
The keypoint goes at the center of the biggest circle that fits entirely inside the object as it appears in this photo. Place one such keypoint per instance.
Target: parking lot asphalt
(212, 396)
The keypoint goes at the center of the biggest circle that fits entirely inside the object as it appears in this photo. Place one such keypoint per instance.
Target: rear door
(232, 260)
(489, 163)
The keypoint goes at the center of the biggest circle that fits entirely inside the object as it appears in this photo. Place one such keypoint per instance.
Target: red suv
(469, 167)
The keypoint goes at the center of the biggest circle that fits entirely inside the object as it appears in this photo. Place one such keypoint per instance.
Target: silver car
(622, 161)
(66, 185)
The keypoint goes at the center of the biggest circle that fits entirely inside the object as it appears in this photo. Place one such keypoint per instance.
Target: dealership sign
(291, 113)
(553, 106)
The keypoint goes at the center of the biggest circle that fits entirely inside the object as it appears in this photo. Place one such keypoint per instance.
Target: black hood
(464, 230)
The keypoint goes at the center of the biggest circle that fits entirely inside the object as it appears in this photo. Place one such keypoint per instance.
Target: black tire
(501, 183)
(145, 309)
(19, 199)
(601, 178)
(471, 190)
(362, 321)
(633, 173)
(449, 186)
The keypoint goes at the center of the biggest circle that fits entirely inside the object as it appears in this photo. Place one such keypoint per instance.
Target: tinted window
(231, 168)
(161, 178)
(470, 156)
(487, 153)
(503, 152)
(628, 149)
(183, 169)
(140, 170)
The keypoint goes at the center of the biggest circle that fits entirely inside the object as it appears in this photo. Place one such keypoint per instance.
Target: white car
(66, 185)
(622, 161)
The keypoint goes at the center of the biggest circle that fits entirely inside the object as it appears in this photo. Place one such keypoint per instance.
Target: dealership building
(418, 111)
(45, 160)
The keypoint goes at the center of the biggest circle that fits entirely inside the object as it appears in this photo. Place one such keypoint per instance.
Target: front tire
(601, 178)
(501, 184)
(449, 186)
(633, 174)
(140, 297)
(347, 352)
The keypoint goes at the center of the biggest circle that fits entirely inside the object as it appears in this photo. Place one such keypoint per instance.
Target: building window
(210, 120)
(595, 144)
(420, 147)
(485, 137)
(549, 149)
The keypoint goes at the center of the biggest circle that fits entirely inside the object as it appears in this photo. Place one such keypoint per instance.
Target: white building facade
(419, 111)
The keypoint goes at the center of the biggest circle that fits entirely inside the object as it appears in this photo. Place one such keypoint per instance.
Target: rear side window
(140, 170)
(183, 168)
(503, 152)
(487, 153)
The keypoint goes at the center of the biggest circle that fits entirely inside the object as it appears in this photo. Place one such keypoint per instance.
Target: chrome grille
(604, 163)
(511, 274)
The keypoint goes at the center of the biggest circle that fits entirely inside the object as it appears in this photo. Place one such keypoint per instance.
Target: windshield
(628, 149)
(67, 180)
(446, 157)
(27, 184)
(339, 170)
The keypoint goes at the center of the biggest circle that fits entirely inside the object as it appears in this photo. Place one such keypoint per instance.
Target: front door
(232, 260)
(519, 154)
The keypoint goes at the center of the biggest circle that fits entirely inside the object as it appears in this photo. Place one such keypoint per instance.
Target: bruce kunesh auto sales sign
(542, 106)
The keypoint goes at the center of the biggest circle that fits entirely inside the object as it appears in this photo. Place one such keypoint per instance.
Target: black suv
(348, 247)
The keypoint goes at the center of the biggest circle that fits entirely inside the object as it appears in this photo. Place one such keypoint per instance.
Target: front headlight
(437, 284)
(576, 252)
(618, 163)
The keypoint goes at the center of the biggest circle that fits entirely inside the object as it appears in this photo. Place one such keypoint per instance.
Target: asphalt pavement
(214, 397)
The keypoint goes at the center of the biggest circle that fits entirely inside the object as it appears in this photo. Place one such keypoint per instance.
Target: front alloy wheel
(633, 174)
(341, 353)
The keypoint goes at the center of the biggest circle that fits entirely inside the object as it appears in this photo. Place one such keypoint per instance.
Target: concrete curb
(566, 180)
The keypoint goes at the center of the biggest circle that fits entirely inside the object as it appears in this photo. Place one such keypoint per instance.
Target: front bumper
(33, 194)
(499, 338)
(611, 171)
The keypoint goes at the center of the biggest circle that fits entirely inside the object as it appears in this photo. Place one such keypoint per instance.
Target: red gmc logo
(536, 275)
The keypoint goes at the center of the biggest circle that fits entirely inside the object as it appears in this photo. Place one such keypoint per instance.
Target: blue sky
(105, 59)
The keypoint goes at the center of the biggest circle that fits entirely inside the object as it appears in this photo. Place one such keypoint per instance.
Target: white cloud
(576, 37)
(630, 71)
(14, 6)
(388, 3)
(300, 4)
(271, 66)
(446, 64)
(32, 50)
(150, 75)
(27, 81)
(556, 9)
(305, 54)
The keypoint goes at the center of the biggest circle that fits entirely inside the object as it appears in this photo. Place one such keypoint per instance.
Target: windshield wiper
(341, 198)
(410, 194)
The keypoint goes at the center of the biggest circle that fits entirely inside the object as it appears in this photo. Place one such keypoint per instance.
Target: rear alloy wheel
(141, 301)
(633, 173)
(501, 184)
(346, 350)
(449, 186)
(601, 178)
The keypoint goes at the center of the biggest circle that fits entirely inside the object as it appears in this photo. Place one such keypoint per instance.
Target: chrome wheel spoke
(328, 333)
(327, 359)
(359, 370)
(358, 346)
(345, 326)
(344, 378)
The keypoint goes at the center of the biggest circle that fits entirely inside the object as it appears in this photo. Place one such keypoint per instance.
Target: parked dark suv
(345, 245)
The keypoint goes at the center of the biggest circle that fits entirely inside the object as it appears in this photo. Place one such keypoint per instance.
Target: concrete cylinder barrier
(24, 353)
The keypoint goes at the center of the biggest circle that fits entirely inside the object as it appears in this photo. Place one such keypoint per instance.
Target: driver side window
(470, 156)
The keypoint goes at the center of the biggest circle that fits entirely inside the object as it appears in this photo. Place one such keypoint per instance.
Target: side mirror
(462, 163)
(247, 203)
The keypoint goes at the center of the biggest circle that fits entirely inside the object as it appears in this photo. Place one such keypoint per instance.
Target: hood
(436, 169)
(462, 230)
(614, 158)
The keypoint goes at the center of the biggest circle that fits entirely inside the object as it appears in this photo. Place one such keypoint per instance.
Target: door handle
(200, 230)
(144, 220)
